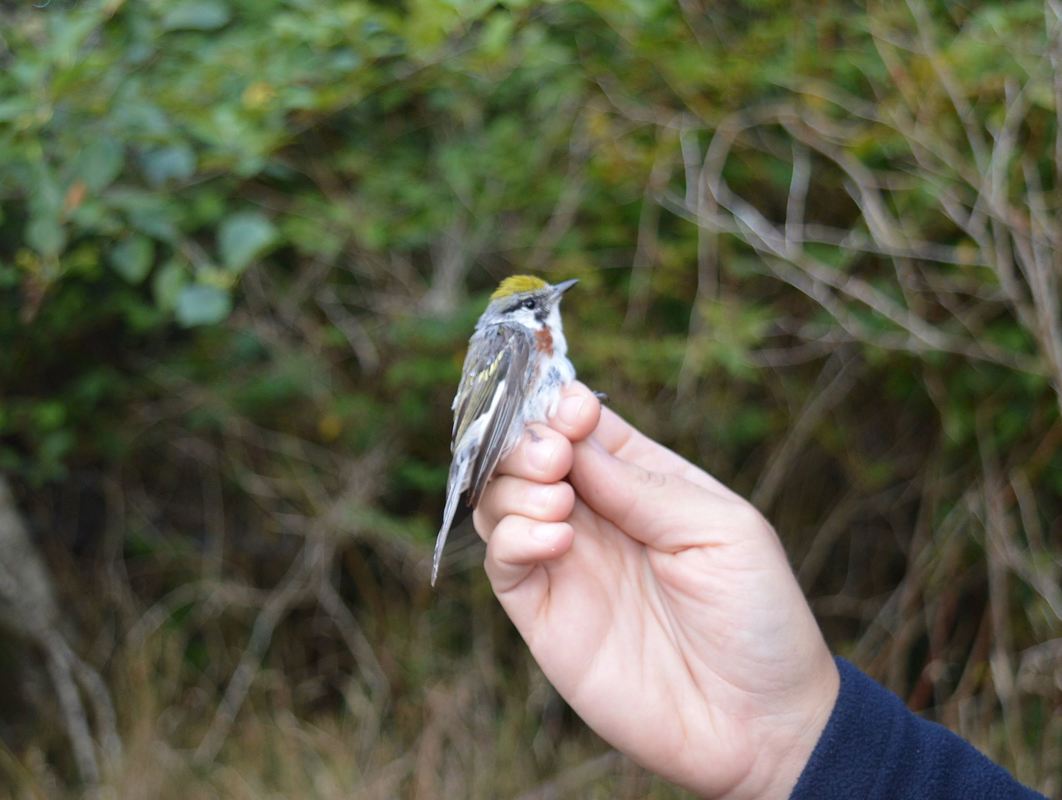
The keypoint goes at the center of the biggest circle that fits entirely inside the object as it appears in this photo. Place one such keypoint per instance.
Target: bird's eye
(529, 304)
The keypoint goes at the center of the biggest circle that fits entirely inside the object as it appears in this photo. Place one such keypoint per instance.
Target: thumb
(662, 510)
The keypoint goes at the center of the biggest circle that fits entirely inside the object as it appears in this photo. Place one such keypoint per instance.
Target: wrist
(789, 739)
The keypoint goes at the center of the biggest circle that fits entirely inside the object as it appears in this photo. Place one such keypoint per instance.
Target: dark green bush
(242, 245)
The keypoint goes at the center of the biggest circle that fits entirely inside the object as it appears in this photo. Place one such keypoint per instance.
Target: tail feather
(454, 488)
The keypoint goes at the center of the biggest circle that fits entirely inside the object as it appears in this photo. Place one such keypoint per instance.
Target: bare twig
(645, 252)
(998, 533)
(77, 728)
(28, 606)
(707, 248)
(291, 589)
(572, 780)
(361, 344)
(567, 205)
(835, 380)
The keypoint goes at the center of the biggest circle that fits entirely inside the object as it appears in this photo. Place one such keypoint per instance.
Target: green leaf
(14, 107)
(151, 213)
(49, 415)
(497, 33)
(132, 257)
(168, 283)
(170, 163)
(202, 305)
(99, 163)
(197, 15)
(243, 237)
(45, 235)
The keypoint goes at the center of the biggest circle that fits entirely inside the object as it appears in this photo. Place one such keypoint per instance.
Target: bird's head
(528, 301)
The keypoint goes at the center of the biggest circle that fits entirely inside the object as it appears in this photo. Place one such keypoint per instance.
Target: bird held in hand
(513, 375)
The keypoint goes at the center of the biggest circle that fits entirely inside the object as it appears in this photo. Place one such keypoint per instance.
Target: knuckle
(746, 517)
(499, 488)
(508, 526)
(506, 542)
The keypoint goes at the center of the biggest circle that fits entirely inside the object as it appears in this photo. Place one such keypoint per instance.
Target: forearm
(873, 747)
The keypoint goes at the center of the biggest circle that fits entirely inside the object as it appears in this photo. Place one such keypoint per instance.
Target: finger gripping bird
(514, 372)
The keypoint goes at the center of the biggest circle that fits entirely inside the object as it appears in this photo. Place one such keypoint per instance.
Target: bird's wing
(492, 388)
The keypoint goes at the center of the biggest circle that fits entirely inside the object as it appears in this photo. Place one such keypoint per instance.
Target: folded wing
(489, 398)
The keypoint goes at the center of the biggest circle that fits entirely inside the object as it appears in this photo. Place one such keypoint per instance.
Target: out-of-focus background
(242, 246)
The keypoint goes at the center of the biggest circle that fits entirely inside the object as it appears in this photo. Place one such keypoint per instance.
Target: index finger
(543, 452)
(577, 413)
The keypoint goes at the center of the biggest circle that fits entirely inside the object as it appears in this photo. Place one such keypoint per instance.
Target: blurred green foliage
(242, 245)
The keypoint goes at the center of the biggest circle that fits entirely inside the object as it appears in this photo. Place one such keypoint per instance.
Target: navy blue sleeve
(874, 748)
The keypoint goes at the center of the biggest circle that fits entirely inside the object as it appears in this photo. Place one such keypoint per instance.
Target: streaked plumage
(513, 374)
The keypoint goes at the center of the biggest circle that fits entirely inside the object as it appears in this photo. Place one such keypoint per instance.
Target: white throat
(560, 344)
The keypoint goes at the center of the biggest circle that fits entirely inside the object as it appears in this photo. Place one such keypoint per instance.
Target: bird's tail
(453, 494)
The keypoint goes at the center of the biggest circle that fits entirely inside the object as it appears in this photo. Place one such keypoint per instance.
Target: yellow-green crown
(515, 284)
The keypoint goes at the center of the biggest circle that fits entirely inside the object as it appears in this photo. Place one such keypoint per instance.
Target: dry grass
(471, 730)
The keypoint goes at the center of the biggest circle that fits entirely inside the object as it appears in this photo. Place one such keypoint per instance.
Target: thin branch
(646, 249)
(74, 718)
(836, 379)
(292, 588)
(568, 201)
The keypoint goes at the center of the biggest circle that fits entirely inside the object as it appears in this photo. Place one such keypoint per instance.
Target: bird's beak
(560, 288)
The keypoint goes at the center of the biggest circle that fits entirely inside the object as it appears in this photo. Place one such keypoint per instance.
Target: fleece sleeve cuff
(874, 748)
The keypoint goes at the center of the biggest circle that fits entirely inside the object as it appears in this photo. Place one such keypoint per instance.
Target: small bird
(514, 372)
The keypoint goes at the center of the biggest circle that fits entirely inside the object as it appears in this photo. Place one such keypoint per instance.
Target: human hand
(658, 603)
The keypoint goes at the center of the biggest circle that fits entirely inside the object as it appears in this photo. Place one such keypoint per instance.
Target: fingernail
(540, 454)
(571, 408)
